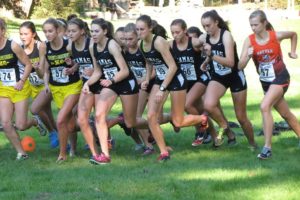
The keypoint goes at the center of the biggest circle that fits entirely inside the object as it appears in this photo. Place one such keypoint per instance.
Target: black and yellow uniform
(36, 83)
(61, 85)
(10, 75)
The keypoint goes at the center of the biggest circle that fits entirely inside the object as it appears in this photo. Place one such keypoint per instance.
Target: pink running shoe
(100, 159)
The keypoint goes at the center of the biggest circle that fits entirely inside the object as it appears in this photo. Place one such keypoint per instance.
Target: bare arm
(246, 54)
(115, 50)
(97, 72)
(228, 60)
(23, 58)
(44, 64)
(293, 37)
(163, 47)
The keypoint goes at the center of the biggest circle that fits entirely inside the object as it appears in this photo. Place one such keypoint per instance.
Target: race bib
(83, 67)
(266, 72)
(109, 73)
(35, 79)
(8, 77)
(189, 71)
(59, 75)
(220, 69)
(139, 72)
(161, 71)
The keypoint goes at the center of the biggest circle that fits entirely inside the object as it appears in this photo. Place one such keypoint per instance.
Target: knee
(100, 117)
(209, 106)
(82, 120)
(265, 108)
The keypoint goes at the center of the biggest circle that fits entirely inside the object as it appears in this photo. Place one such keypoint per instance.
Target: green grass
(192, 173)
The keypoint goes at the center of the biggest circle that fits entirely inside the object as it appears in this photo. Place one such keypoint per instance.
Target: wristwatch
(162, 88)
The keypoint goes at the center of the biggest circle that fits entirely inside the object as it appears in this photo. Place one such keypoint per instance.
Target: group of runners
(84, 70)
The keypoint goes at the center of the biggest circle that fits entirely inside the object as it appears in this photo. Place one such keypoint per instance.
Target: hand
(159, 96)
(207, 49)
(144, 85)
(70, 71)
(36, 65)
(19, 85)
(86, 89)
(105, 82)
(68, 61)
(204, 66)
(88, 72)
(250, 52)
(293, 55)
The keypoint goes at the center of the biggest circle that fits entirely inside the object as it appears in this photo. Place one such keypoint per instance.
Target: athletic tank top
(57, 65)
(189, 60)
(219, 49)
(267, 58)
(34, 58)
(106, 62)
(83, 58)
(137, 64)
(9, 69)
(156, 59)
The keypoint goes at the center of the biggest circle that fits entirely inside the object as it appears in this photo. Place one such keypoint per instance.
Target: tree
(21, 9)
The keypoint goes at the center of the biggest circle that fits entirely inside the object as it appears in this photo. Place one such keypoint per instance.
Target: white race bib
(8, 77)
(139, 72)
(266, 72)
(83, 67)
(59, 75)
(161, 71)
(189, 71)
(220, 69)
(35, 79)
(109, 73)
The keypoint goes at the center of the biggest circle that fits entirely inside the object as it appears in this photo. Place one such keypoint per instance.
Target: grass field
(192, 173)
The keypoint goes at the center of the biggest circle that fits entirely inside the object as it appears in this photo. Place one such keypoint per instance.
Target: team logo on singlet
(266, 58)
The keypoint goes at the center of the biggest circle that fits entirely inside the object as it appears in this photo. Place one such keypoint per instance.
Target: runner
(263, 46)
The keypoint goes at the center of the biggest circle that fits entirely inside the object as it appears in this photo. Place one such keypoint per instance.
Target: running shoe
(207, 138)
(266, 153)
(100, 159)
(53, 137)
(40, 125)
(220, 139)
(198, 139)
(163, 157)
(123, 125)
(21, 157)
(148, 151)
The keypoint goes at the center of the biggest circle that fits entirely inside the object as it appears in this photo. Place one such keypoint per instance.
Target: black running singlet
(83, 58)
(9, 69)
(57, 65)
